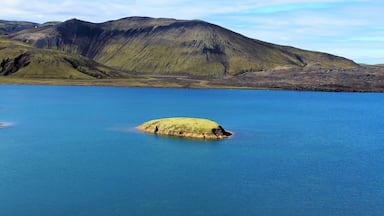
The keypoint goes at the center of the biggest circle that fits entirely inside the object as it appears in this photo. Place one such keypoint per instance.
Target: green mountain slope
(20, 60)
(167, 46)
(142, 51)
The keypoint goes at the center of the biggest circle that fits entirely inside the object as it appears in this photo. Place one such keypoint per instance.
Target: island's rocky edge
(195, 128)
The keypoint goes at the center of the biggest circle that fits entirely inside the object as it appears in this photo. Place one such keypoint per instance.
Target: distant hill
(169, 46)
(8, 27)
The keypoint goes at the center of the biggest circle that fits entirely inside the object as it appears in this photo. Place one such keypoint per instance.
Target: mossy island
(195, 128)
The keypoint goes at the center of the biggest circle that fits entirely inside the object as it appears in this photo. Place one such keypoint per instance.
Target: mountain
(143, 51)
(20, 60)
(169, 46)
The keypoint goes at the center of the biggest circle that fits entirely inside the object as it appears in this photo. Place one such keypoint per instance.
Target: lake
(75, 151)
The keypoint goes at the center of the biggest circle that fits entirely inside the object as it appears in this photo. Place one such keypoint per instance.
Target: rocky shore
(195, 128)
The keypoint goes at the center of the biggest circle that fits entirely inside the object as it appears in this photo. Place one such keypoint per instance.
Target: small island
(195, 128)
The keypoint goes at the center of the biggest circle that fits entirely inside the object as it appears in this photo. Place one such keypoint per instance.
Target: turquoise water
(73, 151)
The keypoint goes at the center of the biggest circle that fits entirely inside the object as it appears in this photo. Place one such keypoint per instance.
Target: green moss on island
(185, 127)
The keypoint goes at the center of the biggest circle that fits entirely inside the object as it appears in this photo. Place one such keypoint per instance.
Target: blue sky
(350, 28)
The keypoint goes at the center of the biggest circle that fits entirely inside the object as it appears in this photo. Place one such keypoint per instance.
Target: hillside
(142, 51)
(168, 46)
(20, 60)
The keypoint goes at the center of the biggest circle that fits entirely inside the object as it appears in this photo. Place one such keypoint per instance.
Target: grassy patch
(185, 127)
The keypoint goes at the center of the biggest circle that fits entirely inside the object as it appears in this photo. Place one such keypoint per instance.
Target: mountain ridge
(8, 27)
(186, 53)
(163, 45)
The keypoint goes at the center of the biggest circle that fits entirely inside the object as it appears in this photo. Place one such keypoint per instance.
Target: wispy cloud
(345, 29)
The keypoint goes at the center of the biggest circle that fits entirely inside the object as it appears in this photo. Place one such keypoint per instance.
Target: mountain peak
(163, 45)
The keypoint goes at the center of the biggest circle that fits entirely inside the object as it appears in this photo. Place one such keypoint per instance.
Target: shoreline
(186, 135)
(185, 127)
(191, 84)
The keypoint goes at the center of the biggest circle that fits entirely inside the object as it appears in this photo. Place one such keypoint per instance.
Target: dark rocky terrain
(8, 27)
